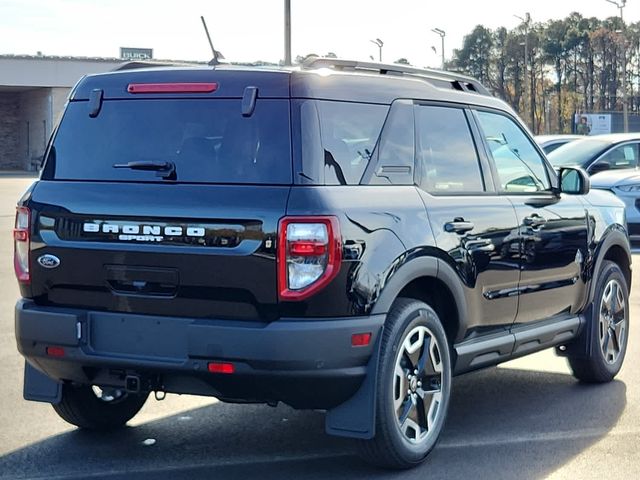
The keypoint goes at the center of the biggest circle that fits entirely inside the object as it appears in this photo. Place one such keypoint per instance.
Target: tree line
(573, 65)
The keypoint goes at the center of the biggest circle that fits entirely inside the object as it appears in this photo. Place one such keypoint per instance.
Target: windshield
(208, 141)
(581, 152)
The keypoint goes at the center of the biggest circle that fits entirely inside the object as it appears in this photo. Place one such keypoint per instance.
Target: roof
(373, 85)
(556, 138)
(616, 137)
(82, 59)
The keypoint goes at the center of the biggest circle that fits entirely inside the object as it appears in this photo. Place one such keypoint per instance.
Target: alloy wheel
(612, 321)
(417, 384)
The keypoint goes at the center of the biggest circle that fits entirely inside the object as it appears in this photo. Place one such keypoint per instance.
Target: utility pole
(379, 43)
(287, 32)
(442, 34)
(625, 108)
(527, 92)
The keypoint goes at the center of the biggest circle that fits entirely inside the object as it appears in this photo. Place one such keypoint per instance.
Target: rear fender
(356, 417)
(427, 266)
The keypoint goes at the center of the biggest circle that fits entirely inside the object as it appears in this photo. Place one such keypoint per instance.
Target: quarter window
(396, 147)
(519, 165)
(446, 153)
(349, 134)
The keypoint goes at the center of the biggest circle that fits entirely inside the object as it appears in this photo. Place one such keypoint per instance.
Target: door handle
(458, 225)
(534, 221)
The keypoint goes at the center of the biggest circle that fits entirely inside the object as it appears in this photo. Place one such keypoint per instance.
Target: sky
(251, 30)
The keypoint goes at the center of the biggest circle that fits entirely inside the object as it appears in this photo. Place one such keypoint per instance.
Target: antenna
(214, 61)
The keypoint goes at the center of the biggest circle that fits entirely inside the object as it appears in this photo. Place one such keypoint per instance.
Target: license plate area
(155, 338)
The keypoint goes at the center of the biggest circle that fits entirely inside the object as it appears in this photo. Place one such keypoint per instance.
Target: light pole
(380, 44)
(287, 32)
(526, 20)
(625, 109)
(442, 34)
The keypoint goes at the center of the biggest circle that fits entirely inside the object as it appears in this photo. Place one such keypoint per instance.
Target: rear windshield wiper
(166, 170)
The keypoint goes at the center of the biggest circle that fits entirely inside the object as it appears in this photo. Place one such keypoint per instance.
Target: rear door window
(209, 141)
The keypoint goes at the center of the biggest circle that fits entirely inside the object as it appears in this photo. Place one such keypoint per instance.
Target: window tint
(209, 141)
(624, 156)
(396, 150)
(446, 152)
(349, 134)
(519, 165)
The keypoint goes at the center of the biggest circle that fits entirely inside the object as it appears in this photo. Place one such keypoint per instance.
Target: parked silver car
(617, 151)
(612, 161)
(626, 185)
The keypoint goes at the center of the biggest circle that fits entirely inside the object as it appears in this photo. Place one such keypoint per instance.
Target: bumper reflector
(221, 367)
(55, 351)
(360, 339)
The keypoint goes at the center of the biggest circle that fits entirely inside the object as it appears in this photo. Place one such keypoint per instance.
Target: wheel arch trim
(420, 267)
(615, 237)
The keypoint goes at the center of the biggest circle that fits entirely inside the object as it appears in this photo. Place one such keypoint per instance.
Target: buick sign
(48, 261)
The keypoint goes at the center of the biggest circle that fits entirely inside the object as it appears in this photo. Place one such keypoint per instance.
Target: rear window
(208, 141)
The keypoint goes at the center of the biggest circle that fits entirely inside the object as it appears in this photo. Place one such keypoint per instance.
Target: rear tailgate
(178, 250)
(161, 194)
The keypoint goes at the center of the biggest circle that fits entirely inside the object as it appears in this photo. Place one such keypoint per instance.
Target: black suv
(344, 236)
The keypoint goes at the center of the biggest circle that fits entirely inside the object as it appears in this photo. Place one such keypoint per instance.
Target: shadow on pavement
(502, 423)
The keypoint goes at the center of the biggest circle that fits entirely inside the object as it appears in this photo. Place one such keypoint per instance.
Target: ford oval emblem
(49, 261)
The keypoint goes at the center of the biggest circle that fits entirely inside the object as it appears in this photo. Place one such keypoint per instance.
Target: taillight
(309, 255)
(21, 241)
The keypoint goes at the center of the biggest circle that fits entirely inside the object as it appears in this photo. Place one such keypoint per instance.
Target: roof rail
(456, 80)
(135, 64)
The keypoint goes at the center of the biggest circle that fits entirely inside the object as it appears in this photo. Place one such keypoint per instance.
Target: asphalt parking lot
(528, 419)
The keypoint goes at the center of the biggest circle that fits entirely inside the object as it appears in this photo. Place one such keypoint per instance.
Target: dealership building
(33, 91)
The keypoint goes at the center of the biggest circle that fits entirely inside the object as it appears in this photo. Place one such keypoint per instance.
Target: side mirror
(574, 181)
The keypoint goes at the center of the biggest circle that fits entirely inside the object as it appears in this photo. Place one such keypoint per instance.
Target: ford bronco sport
(343, 236)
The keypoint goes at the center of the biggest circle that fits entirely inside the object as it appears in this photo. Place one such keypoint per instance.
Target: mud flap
(580, 347)
(40, 388)
(356, 418)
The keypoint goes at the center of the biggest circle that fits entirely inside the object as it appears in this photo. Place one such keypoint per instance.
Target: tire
(95, 409)
(607, 330)
(409, 417)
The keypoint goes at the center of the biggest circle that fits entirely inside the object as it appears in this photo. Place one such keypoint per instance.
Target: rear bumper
(306, 363)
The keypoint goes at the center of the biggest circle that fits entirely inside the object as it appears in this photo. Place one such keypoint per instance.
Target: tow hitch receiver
(132, 383)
